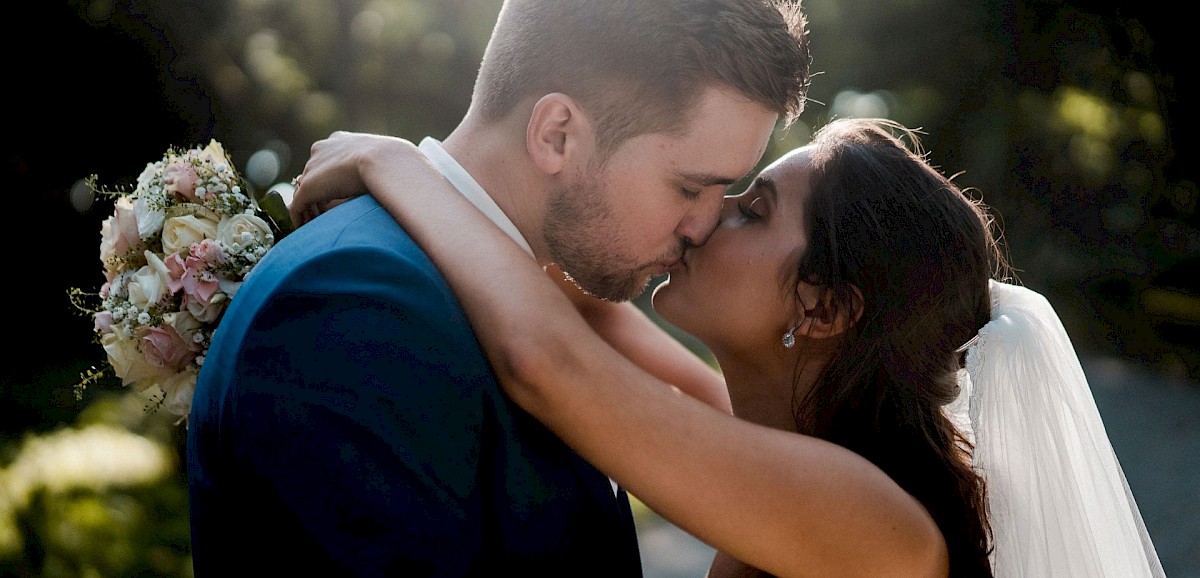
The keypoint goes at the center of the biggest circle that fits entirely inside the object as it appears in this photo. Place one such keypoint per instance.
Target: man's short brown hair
(639, 66)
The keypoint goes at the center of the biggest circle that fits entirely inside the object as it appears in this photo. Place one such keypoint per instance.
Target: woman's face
(736, 293)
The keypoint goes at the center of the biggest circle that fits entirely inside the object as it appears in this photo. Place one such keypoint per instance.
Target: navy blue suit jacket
(346, 422)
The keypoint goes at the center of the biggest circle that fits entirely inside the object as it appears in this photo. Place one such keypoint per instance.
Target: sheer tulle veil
(1058, 500)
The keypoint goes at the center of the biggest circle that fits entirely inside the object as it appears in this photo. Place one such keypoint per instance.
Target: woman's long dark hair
(920, 253)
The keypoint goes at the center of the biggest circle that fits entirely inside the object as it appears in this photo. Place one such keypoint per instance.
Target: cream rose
(180, 232)
(215, 153)
(150, 284)
(119, 233)
(108, 242)
(125, 357)
(244, 230)
(178, 391)
(205, 312)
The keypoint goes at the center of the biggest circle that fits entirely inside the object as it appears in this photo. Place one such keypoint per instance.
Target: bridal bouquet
(174, 252)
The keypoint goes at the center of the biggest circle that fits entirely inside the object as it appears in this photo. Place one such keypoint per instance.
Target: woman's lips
(681, 262)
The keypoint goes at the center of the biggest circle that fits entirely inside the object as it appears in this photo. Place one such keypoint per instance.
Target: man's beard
(585, 243)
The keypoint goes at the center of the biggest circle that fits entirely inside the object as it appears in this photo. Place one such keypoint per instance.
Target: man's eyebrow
(707, 179)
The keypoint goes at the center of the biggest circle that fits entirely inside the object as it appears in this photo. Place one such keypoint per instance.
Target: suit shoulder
(356, 238)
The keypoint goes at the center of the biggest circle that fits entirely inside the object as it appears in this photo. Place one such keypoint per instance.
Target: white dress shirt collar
(469, 187)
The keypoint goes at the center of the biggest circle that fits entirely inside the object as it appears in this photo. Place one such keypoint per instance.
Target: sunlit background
(1072, 119)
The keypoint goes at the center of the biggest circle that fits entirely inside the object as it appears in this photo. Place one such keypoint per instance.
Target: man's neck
(500, 165)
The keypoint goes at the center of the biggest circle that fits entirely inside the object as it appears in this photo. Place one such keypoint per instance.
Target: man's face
(615, 228)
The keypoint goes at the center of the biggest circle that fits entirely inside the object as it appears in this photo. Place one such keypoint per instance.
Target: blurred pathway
(1154, 424)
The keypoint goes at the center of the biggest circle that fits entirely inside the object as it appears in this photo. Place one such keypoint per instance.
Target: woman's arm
(792, 505)
(629, 331)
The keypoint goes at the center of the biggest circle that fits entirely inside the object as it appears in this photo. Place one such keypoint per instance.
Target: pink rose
(165, 348)
(176, 269)
(180, 179)
(208, 250)
(103, 320)
(201, 284)
(192, 275)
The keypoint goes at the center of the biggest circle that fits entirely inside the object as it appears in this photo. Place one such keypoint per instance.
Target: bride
(900, 409)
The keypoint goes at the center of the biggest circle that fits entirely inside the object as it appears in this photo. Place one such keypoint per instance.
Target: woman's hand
(339, 168)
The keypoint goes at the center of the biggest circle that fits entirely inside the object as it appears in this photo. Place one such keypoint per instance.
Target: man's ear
(557, 132)
(820, 315)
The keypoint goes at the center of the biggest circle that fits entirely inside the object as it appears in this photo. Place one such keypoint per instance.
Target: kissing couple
(440, 372)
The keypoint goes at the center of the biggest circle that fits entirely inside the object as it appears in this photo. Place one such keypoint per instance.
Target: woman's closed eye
(752, 210)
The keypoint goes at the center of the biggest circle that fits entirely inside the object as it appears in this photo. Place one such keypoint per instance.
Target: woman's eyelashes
(750, 210)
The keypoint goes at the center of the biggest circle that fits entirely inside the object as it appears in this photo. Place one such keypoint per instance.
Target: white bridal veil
(1058, 501)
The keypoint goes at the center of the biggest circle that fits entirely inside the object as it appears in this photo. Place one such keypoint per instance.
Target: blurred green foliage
(1068, 117)
(103, 496)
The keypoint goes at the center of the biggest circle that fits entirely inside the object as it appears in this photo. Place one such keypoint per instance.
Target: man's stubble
(587, 243)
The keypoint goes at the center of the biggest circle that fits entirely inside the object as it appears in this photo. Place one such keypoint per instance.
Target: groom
(346, 422)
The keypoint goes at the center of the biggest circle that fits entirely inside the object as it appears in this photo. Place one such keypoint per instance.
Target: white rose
(119, 287)
(244, 230)
(180, 232)
(149, 218)
(148, 175)
(125, 357)
(149, 284)
(229, 286)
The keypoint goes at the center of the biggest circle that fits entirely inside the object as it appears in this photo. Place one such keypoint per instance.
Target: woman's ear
(821, 315)
(557, 131)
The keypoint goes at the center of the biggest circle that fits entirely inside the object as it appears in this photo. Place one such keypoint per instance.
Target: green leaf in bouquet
(275, 207)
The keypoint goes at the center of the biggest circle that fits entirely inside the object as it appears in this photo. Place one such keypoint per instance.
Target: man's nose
(700, 222)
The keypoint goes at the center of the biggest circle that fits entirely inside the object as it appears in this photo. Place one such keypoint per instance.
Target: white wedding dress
(1058, 501)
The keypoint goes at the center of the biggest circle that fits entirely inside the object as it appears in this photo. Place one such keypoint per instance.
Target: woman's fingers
(334, 171)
